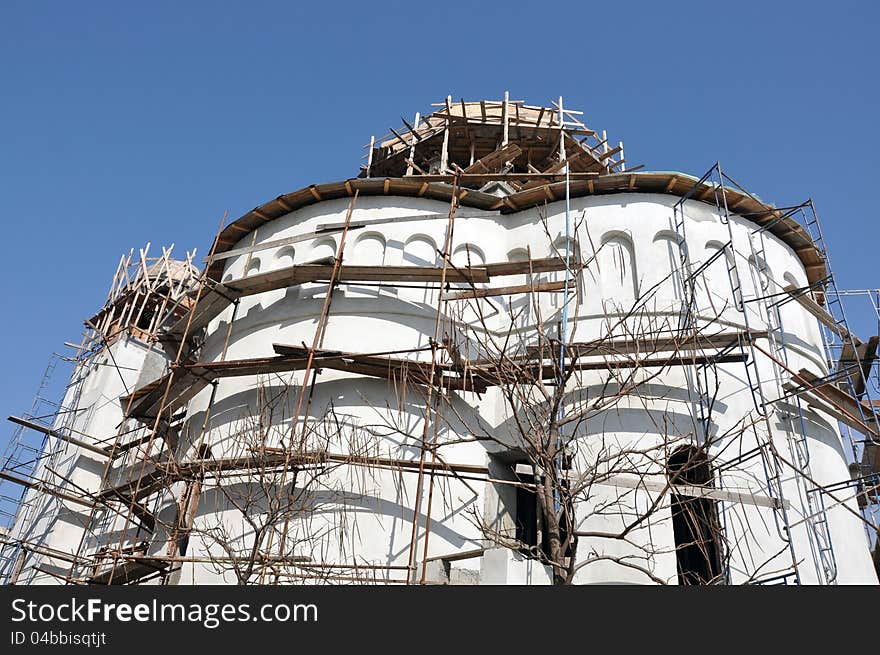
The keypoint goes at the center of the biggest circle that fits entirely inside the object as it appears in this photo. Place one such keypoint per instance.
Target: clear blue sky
(122, 123)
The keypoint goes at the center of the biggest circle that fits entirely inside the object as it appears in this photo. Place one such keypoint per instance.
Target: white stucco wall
(366, 516)
(639, 231)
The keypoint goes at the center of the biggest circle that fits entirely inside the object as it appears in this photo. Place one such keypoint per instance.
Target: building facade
(495, 357)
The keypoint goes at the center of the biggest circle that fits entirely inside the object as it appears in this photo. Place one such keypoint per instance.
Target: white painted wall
(97, 384)
(639, 232)
(366, 517)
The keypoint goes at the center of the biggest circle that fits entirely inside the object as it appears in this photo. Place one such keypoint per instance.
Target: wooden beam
(494, 159)
(819, 312)
(57, 435)
(745, 497)
(388, 368)
(504, 291)
(44, 487)
(543, 265)
(220, 296)
(660, 343)
(841, 405)
(858, 363)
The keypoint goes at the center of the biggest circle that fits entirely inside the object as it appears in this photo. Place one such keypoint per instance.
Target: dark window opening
(695, 521)
(145, 319)
(528, 519)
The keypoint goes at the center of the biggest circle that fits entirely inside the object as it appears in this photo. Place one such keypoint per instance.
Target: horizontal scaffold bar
(189, 379)
(216, 297)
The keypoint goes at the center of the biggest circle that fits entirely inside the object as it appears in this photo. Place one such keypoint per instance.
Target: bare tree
(553, 386)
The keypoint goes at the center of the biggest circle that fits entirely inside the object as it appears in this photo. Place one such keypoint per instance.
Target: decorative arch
(617, 269)
(253, 267)
(668, 273)
(562, 246)
(468, 254)
(791, 316)
(323, 248)
(420, 250)
(369, 249)
(717, 280)
(284, 256)
(518, 255)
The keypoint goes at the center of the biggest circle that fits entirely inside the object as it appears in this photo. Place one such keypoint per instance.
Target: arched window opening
(695, 522)
(465, 257)
(368, 250)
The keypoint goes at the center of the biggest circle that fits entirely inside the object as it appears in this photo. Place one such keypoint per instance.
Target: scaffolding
(501, 156)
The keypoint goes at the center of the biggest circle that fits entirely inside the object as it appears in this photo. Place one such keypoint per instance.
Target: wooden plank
(220, 296)
(144, 403)
(310, 273)
(44, 487)
(213, 301)
(858, 363)
(515, 368)
(160, 477)
(544, 287)
(818, 312)
(123, 448)
(494, 159)
(128, 572)
(660, 343)
(388, 368)
(57, 435)
(845, 408)
(745, 497)
(544, 265)
(558, 166)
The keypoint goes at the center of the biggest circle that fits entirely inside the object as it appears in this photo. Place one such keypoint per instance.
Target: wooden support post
(605, 147)
(505, 115)
(561, 132)
(412, 144)
(444, 151)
